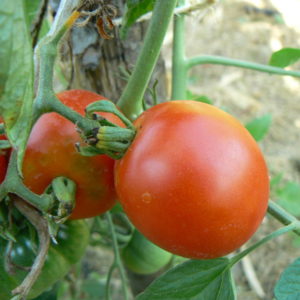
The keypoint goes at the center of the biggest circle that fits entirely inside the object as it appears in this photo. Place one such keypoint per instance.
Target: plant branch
(117, 260)
(131, 99)
(291, 227)
(45, 56)
(41, 227)
(13, 184)
(219, 60)
(179, 69)
(282, 215)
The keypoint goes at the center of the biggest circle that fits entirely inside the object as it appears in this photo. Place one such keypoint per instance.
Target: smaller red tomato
(51, 153)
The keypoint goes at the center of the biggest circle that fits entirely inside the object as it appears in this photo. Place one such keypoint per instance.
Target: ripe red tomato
(50, 153)
(193, 181)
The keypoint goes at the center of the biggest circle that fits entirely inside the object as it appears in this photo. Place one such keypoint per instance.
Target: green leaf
(200, 98)
(285, 57)
(94, 287)
(289, 197)
(48, 295)
(275, 181)
(259, 127)
(16, 74)
(133, 10)
(31, 9)
(296, 241)
(193, 280)
(288, 285)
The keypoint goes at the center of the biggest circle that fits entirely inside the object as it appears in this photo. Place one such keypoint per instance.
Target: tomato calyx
(4, 143)
(108, 138)
(63, 191)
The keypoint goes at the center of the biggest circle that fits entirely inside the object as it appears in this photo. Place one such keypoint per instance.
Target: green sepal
(4, 144)
(63, 192)
(89, 150)
(107, 106)
(115, 134)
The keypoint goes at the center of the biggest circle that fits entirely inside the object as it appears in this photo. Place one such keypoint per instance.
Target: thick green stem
(47, 51)
(219, 60)
(282, 215)
(46, 101)
(85, 124)
(179, 69)
(13, 184)
(132, 97)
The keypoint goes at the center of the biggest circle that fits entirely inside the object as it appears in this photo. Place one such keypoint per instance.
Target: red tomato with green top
(51, 153)
(193, 181)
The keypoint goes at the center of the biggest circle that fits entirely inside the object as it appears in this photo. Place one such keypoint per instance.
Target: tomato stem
(131, 98)
(13, 184)
(291, 227)
(225, 61)
(41, 227)
(117, 263)
(282, 215)
(179, 69)
(45, 56)
(46, 101)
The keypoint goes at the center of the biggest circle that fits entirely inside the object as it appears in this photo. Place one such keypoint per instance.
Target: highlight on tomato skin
(51, 153)
(193, 181)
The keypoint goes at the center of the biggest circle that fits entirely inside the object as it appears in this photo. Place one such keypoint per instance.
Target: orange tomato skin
(50, 153)
(193, 181)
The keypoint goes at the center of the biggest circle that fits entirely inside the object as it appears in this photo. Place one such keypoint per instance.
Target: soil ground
(252, 30)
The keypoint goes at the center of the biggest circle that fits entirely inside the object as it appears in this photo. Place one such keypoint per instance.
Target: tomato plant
(68, 251)
(51, 152)
(194, 180)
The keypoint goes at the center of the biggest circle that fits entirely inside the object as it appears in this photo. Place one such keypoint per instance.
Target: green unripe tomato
(72, 240)
(143, 257)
